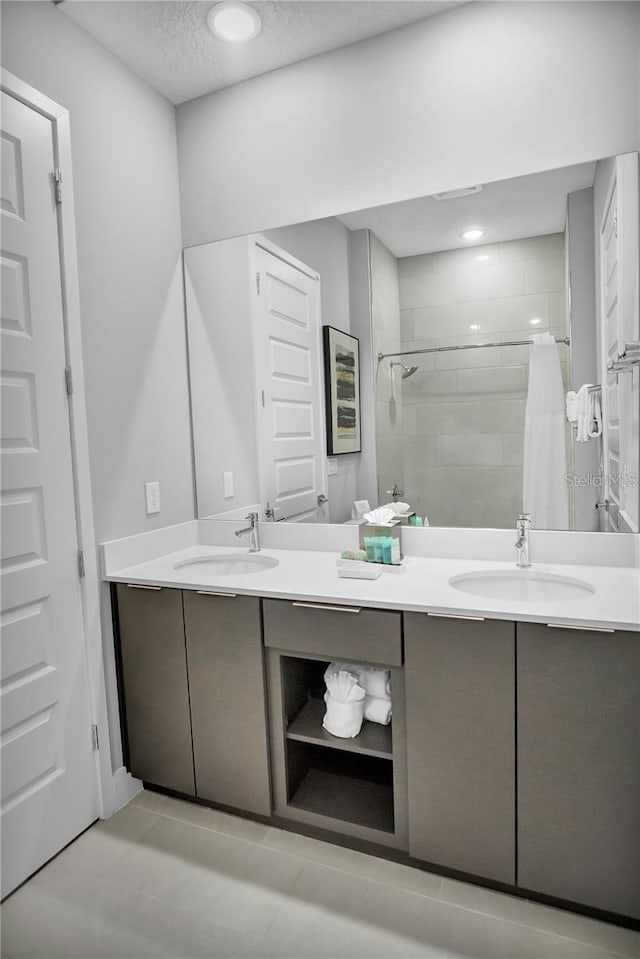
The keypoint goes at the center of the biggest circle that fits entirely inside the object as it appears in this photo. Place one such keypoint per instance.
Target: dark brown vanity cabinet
(579, 766)
(228, 707)
(460, 702)
(192, 679)
(154, 686)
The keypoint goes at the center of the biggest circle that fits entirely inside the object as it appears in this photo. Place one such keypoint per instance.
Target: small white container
(356, 569)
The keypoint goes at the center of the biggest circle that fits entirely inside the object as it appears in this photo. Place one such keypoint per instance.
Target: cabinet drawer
(339, 632)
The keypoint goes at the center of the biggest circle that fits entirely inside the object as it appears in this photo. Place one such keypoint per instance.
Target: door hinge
(68, 378)
(57, 182)
(81, 564)
(615, 224)
(258, 283)
(94, 737)
(262, 393)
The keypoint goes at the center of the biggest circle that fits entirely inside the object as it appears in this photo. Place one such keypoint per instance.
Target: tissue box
(392, 528)
(404, 517)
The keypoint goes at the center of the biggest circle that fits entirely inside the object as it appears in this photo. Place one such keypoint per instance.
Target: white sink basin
(230, 564)
(525, 585)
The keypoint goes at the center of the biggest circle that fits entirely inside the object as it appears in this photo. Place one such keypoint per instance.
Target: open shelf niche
(350, 780)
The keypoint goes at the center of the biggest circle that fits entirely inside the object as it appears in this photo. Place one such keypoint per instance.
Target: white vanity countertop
(312, 576)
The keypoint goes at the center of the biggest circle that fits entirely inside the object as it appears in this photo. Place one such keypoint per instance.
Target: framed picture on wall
(342, 391)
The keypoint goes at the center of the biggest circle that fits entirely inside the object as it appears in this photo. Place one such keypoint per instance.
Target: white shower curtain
(545, 453)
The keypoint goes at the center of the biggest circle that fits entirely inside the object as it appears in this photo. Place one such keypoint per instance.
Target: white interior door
(49, 786)
(286, 332)
(618, 325)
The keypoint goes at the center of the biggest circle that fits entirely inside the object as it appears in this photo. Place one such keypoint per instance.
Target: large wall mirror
(498, 349)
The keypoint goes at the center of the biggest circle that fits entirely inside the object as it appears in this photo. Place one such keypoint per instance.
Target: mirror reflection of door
(286, 349)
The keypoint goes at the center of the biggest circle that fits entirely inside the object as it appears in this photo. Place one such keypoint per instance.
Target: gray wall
(481, 93)
(125, 183)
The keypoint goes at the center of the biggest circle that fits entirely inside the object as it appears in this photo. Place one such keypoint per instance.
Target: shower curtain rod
(468, 346)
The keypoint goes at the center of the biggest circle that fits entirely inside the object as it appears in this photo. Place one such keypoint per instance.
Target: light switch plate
(227, 479)
(152, 498)
(332, 466)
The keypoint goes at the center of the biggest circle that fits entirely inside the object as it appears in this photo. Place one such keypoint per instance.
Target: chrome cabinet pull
(582, 629)
(157, 589)
(475, 619)
(335, 609)
(211, 592)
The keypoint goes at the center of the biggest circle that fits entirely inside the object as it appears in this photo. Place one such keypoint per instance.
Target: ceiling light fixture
(473, 233)
(233, 21)
(535, 321)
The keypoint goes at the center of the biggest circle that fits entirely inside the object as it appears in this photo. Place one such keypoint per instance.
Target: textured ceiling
(531, 205)
(168, 43)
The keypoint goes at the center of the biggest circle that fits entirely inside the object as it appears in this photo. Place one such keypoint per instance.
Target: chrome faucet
(252, 529)
(395, 492)
(523, 527)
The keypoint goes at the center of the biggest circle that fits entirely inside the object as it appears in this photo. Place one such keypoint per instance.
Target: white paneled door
(48, 786)
(286, 332)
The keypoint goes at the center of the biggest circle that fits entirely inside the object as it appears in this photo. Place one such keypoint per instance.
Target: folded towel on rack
(594, 418)
(570, 403)
(377, 710)
(582, 406)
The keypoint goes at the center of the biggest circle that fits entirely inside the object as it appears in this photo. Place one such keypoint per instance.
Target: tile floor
(170, 879)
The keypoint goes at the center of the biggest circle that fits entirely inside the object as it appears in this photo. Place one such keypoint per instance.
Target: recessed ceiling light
(474, 326)
(473, 233)
(535, 321)
(233, 21)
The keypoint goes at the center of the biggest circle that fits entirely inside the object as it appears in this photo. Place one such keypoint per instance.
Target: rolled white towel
(343, 719)
(374, 681)
(344, 700)
(377, 710)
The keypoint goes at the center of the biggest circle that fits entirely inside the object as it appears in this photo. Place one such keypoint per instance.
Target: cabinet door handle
(211, 592)
(157, 589)
(335, 609)
(583, 629)
(475, 619)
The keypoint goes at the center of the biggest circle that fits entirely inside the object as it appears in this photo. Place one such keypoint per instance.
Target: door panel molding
(113, 791)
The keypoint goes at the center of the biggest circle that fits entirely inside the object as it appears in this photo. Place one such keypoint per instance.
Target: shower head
(407, 371)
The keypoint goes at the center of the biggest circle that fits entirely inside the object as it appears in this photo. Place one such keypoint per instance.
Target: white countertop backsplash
(307, 569)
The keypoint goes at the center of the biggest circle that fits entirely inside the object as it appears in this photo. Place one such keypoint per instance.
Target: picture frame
(342, 391)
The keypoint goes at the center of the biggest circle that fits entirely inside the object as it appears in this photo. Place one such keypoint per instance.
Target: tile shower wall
(385, 321)
(463, 411)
